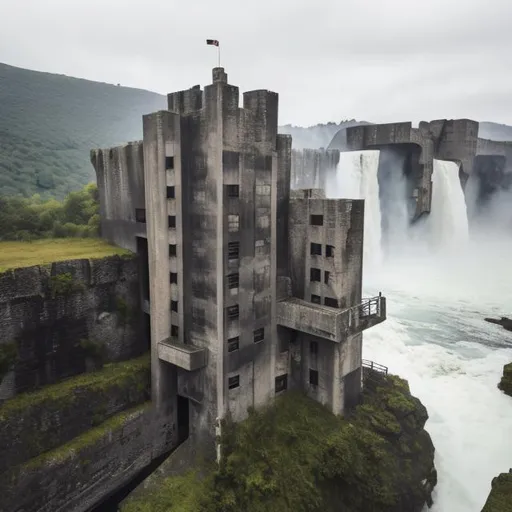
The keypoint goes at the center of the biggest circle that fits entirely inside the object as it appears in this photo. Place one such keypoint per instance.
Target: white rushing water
(439, 286)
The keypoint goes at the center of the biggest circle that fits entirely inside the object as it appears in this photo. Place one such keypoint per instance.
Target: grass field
(40, 252)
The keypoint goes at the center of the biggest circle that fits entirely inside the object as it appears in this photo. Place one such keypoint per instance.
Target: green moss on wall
(64, 284)
(78, 444)
(124, 374)
(8, 355)
(500, 498)
(506, 381)
(296, 455)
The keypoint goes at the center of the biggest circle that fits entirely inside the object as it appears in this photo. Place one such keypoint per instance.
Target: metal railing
(372, 365)
(369, 307)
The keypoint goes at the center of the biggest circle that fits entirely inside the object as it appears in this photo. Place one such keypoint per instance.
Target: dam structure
(248, 288)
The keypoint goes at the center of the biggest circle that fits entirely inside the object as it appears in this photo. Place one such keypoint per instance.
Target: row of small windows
(328, 301)
(234, 343)
(315, 274)
(316, 250)
(281, 382)
(261, 247)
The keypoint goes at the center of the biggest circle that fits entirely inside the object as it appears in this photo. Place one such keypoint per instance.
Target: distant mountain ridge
(49, 122)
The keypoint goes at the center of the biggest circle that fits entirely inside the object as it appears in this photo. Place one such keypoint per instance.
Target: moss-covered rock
(500, 497)
(296, 455)
(8, 354)
(506, 381)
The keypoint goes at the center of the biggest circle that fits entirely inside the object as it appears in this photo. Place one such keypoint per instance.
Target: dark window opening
(174, 278)
(316, 249)
(233, 190)
(329, 251)
(327, 274)
(140, 215)
(316, 220)
(171, 220)
(233, 250)
(233, 280)
(183, 419)
(171, 193)
(316, 299)
(332, 303)
(169, 162)
(233, 312)
(174, 305)
(234, 382)
(313, 348)
(259, 335)
(313, 377)
(174, 331)
(315, 274)
(233, 344)
(172, 250)
(281, 383)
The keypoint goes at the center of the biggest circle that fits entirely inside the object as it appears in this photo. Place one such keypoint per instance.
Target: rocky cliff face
(296, 455)
(506, 381)
(500, 498)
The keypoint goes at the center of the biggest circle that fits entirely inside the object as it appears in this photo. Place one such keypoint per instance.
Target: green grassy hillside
(48, 124)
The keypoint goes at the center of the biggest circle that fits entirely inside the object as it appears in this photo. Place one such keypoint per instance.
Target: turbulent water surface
(439, 284)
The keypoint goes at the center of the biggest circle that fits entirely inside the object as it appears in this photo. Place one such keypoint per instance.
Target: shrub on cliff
(26, 219)
(506, 381)
(500, 497)
(296, 455)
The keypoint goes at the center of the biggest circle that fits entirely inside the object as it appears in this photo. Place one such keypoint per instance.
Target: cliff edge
(296, 455)
(506, 381)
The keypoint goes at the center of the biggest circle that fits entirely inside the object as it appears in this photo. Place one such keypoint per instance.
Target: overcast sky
(374, 60)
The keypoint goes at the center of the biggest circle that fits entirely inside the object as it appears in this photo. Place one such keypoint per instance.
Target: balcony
(188, 357)
(330, 323)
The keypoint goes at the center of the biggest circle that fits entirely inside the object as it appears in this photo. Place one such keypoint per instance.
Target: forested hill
(48, 124)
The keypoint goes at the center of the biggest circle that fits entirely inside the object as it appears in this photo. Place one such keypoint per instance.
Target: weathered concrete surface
(79, 474)
(310, 167)
(52, 313)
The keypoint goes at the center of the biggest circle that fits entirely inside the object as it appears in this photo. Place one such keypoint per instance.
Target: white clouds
(379, 60)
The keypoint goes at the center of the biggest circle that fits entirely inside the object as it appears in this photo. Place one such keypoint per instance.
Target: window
(174, 331)
(172, 250)
(314, 274)
(329, 251)
(140, 215)
(316, 249)
(233, 190)
(171, 194)
(233, 344)
(169, 162)
(313, 348)
(262, 190)
(281, 383)
(233, 312)
(327, 274)
(316, 220)
(259, 335)
(174, 278)
(171, 221)
(234, 382)
(199, 316)
(313, 377)
(263, 222)
(332, 303)
(261, 247)
(174, 305)
(233, 280)
(315, 299)
(233, 223)
(233, 250)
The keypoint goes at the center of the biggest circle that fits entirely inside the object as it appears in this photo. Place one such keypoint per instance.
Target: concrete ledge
(330, 323)
(188, 357)
(310, 318)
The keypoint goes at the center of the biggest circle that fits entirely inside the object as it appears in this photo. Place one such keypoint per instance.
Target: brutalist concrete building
(249, 290)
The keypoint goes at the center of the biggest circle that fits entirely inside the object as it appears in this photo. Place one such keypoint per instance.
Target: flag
(213, 42)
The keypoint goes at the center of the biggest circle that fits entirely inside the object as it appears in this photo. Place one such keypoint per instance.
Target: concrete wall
(120, 178)
(310, 167)
(48, 311)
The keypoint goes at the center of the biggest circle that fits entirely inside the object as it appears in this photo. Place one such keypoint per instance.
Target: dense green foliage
(32, 218)
(49, 122)
(296, 455)
(500, 497)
